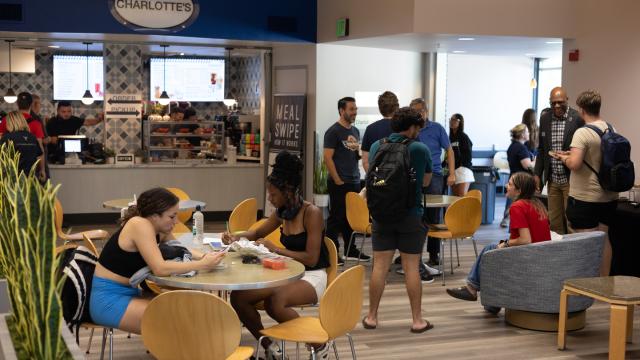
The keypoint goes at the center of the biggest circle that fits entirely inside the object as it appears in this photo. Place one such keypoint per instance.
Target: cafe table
(233, 275)
(439, 201)
(119, 204)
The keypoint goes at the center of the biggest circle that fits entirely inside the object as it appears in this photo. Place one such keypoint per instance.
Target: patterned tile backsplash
(125, 73)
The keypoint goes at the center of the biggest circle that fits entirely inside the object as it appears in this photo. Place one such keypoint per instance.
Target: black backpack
(78, 265)
(616, 169)
(391, 182)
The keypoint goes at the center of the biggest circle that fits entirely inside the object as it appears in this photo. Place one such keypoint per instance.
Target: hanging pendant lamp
(10, 96)
(87, 99)
(229, 101)
(164, 97)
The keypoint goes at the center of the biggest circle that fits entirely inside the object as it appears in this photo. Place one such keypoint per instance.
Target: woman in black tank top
(113, 302)
(302, 234)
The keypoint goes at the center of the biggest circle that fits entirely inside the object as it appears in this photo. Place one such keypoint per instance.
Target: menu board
(70, 77)
(188, 79)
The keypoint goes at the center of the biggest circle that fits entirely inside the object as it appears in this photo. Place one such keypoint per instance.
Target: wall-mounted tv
(70, 77)
(198, 80)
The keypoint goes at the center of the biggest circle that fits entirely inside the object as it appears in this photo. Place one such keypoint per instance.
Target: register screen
(72, 146)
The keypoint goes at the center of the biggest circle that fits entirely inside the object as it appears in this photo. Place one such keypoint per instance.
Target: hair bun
(287, 162)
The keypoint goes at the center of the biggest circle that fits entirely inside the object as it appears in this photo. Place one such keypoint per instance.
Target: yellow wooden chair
(462, 219)
(243, 216)
(59, 216)
(475, 193)
(183, 216)
(358, 217)
(192, 325)
(340, 309)
(274, 237)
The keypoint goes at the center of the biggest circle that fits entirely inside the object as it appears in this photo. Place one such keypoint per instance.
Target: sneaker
(426, 278)
(340, 261)
(492, 309)
(504, 223)
(322, 353)
(274, 353)
(432, 271)
(398, 260)
(354, 253)
(433, 261)
(400, 271)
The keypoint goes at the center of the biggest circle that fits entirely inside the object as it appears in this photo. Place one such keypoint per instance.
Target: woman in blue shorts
(114, 303)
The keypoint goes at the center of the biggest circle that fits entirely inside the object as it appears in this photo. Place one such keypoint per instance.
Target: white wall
(491, 92)
(344, 70)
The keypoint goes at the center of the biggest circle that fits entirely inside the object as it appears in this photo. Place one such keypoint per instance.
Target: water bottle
(198, 224)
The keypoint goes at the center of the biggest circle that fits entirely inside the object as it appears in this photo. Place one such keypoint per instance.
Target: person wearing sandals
(301, 232)
(529, 224)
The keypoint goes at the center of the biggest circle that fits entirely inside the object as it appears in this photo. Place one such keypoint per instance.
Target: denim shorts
(109, 301)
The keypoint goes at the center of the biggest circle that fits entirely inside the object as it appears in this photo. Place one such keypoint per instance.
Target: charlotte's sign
(168, 15)
(287, 125)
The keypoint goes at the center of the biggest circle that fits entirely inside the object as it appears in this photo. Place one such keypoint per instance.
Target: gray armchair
(527, 280)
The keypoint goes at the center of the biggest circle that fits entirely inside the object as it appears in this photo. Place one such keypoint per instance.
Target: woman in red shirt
(529, 224)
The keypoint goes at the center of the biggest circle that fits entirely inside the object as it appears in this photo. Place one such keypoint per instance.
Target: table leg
(617, 332)
(562, 321)
(630, 323)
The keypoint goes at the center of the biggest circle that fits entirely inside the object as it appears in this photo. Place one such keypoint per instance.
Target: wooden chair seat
(442, 234)
(241, 353)
(302, 329)
(180, 228)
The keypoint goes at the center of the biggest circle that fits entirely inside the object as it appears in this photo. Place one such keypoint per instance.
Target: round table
(437, 201)
(234, 276)
(119, 204)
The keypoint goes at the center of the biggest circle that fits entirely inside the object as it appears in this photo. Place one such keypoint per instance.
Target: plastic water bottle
(198, 224)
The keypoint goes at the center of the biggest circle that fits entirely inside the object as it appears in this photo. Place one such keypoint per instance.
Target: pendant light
(229, 101)
(164, 97)
(10, 96)
(87, 99)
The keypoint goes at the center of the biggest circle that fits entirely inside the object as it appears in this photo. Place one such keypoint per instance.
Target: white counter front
(83, 188)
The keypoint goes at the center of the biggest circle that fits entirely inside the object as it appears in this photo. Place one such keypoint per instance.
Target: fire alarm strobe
(574, 55)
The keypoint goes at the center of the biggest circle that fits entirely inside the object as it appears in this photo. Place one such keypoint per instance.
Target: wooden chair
(243, 216)
(59, 216)
(274, 237)
(462, 219)
(183, 216)
(192, 325)
(340, 309)
(358, 217)
(475, 193)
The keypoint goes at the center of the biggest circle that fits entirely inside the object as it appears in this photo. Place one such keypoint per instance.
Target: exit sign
(342, 27)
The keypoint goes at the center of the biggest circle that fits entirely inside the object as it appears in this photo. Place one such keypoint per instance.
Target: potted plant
(111, 155)
(320, 190)
(28, 262)
(139, 156)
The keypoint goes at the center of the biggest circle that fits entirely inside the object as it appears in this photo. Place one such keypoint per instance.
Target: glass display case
(183, 141)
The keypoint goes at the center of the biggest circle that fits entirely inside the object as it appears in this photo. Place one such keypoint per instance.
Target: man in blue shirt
(435, 137)
(406, 235)
(388, 105)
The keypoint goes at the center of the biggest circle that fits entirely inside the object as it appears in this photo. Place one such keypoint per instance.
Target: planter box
(321, 200)
(8, 352)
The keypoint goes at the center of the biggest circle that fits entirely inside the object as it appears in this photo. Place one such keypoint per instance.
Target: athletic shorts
(317, 279)
(407, 235)
(109, 301)
(587, 215)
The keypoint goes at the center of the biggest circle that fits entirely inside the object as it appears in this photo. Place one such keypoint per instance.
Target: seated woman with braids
(113, 302)
(302, 236)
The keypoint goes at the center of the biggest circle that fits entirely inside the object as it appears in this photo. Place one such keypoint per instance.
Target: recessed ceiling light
(54, 46)
(181, 54)
(529, 54)
(459, 51)
(554, 42)
(466, 39)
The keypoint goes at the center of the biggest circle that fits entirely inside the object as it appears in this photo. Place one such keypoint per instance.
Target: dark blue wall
(218, 19)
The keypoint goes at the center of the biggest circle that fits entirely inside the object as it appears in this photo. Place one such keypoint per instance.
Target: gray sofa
(529, 278)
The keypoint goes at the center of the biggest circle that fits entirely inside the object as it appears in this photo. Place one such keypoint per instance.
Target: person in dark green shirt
(407, 235)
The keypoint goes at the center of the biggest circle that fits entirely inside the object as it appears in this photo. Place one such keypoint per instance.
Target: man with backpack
(600, 166)
(399, 167)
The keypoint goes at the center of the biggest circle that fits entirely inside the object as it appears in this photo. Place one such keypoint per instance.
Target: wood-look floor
(463, 330)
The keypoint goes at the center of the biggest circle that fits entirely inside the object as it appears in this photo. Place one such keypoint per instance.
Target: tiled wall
(125, 73)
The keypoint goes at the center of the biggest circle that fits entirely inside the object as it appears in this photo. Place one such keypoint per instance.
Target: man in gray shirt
(341, 155)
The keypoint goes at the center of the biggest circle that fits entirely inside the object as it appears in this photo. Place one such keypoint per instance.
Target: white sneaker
(323, 352)
(274, 353)
(432, 271)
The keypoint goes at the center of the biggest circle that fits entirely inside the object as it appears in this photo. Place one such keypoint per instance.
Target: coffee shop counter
(83, 188)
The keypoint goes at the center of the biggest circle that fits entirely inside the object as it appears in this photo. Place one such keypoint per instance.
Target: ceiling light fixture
(54, 46)
(10, 96)
(164, 97)
(229, 101)
(87, 99)
(466, 39)
(554, 42)
(459, 51)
